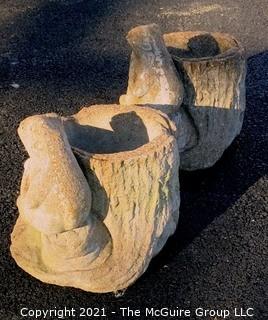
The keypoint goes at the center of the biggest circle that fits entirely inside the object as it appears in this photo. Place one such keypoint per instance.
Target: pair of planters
(100, 191)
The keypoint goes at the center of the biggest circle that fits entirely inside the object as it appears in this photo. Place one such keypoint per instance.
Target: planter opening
(97, 228)
(196, 45)
(112, 129)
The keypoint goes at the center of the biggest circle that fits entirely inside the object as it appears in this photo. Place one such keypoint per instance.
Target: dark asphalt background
(64, 56)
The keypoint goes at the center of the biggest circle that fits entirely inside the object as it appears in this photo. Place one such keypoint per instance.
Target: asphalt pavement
(56, 57)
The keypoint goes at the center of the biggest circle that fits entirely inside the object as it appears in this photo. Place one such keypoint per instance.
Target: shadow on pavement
(50, 46)
(56, 75)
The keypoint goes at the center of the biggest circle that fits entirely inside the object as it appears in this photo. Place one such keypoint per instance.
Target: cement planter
(100, 191)
(211, 67)
(99, 196)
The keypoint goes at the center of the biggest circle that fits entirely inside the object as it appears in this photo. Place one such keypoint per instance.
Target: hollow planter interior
(130, 159)
(201, 45)
(104, 130)
(212, 67)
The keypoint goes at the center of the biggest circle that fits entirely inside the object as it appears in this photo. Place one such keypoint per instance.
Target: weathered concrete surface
(54, 196)
(81, 56)
(100, 240)
(152, 78)
(212, 67)
(205, 96)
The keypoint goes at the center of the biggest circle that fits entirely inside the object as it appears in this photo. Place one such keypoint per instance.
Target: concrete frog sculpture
(152, 75)
(211, 67)
(97, 201)
(50, 174)
(100, 191)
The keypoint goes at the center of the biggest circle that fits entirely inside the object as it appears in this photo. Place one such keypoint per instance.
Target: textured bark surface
(212, 68)
(133, 198)
(153, 78)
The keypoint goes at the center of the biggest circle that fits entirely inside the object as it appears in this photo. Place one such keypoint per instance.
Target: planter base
(132, 207)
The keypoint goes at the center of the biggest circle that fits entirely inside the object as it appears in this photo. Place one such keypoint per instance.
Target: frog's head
(39, 131)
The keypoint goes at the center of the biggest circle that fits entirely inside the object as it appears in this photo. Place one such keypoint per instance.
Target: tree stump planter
(100, 191)
(99, 196)
(212, 67)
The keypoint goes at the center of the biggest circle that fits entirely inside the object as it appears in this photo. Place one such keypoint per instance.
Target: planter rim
(236, 49)
(154, 145)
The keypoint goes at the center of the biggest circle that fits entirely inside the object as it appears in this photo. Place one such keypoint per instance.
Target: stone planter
(100, 191)
(212, 69)
(99, 196)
